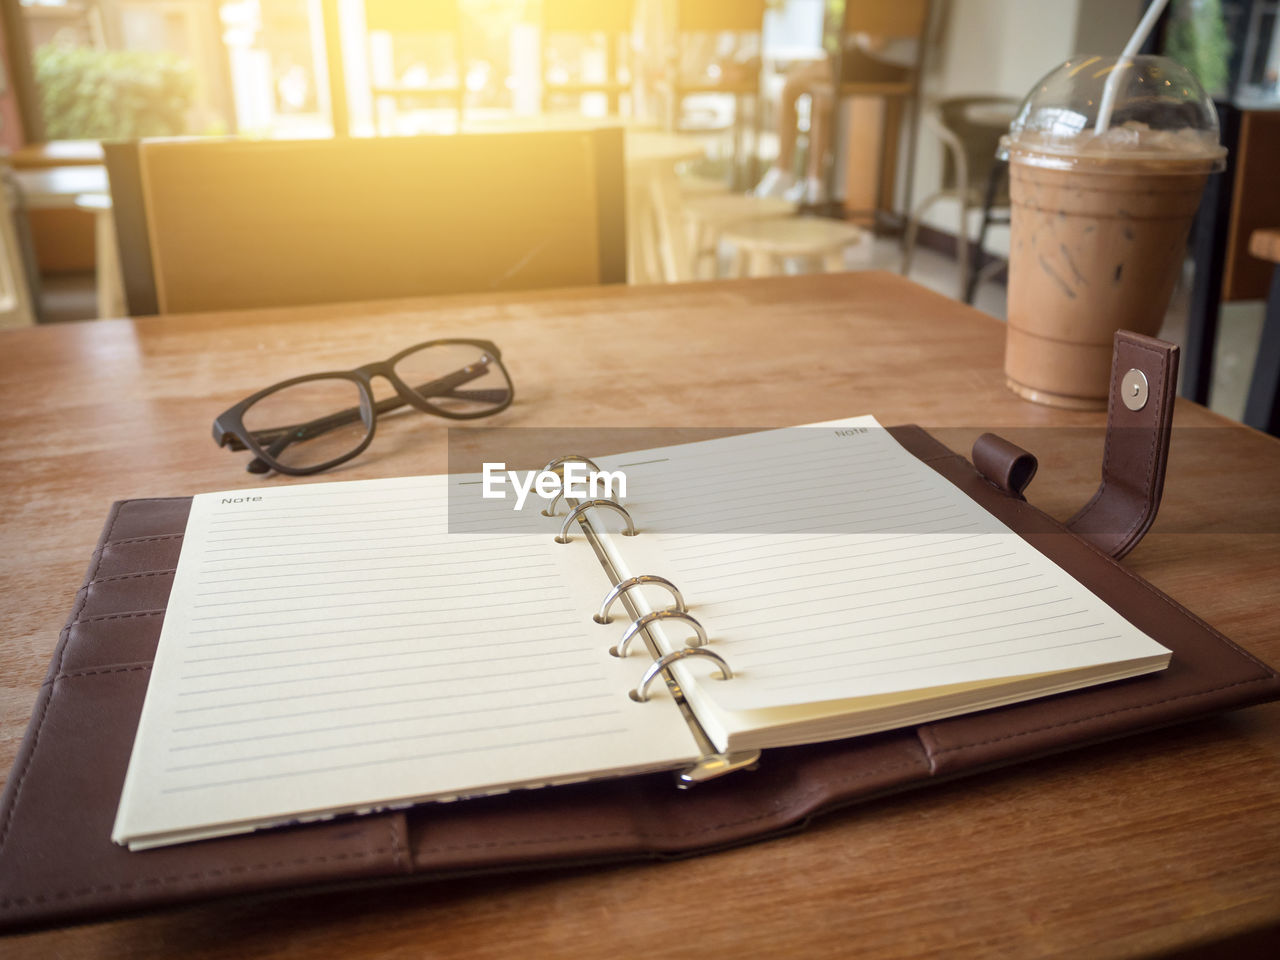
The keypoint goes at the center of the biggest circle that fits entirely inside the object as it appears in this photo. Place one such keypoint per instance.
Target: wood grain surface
(1265, 244)
(1167, 843)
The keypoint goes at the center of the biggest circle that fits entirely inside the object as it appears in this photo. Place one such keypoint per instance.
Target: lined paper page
(828, 563)
(332, 647)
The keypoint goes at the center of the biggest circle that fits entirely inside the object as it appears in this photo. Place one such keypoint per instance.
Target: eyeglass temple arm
(282, 437)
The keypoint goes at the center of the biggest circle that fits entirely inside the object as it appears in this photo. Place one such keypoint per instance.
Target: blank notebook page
(826, 562)
(331, 647)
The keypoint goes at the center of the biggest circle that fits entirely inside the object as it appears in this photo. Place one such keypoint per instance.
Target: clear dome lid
(1160, 117)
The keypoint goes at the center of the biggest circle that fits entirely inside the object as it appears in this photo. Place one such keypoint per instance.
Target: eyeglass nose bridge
(404, 391)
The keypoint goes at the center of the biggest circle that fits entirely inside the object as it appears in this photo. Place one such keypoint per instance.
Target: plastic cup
(1100, 220)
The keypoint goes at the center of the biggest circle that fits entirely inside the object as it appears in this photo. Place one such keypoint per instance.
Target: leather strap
(1005, 464)
(1144, 374)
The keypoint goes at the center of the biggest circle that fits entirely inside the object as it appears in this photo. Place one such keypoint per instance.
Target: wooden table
(1151, 844)
(57, 153)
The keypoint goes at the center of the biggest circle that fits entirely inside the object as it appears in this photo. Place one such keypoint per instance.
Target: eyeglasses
(312, 423)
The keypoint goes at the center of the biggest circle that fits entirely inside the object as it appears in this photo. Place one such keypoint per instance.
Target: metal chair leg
(998, 169)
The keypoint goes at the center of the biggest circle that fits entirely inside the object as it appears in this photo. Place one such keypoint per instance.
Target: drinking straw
(1112, 85)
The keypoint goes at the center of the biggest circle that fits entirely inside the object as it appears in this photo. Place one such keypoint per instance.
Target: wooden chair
(583, 20)
(761, 247)
(741, 80)
(970, 129)
(225, 225)
(17, 306)
(1262, 407)
(891, 19)
(426, 20)
(707, 216)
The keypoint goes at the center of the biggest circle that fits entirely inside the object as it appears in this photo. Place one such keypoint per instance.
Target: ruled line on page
(359, 724)
(696, 489)
(526, 638)
(414, 758)
(465, 608)
(881, 630)
(348, 632)
(403, 668)
(348, 603)
(903, 507)
(971, 660)
(769, 561)
(411, 577)
(741, 611)
(388, 741)
(833, 578)
(293, 665)
(843, 663)
(221, 524)
(436, 696)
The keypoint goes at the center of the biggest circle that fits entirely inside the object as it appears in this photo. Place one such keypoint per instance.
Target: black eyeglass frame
(229, 429)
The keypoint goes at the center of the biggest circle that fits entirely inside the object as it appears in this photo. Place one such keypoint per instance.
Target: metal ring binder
(560, 462)
(621, 588)
(550, 509)
(587, 505)
(649, 618)
(641, 693)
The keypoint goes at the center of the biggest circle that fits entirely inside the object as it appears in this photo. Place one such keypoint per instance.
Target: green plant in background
(88, 94)
(1197, 38)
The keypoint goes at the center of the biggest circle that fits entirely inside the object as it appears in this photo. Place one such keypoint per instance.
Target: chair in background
(1262, 405)
(17, 306)
(887, 19)
(707, 215)
(227, 225)
(581, 22)
(701, 23)
(429, 23)
(761, 247)
(970, 129)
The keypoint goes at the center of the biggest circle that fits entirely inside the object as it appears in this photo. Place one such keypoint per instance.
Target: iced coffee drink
(1100, 218)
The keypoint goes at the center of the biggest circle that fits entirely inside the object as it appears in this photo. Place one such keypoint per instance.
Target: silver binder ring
(641, 693)
(640, 581)
(556, 465)
(640, 623)
(586, 505)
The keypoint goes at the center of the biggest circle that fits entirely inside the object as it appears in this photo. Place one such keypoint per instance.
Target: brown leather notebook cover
(58, 864)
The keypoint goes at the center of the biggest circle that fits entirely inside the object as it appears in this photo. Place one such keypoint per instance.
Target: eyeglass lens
(455, 378)
(310, 423)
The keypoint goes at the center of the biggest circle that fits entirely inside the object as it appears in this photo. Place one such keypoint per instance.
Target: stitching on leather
(131, 576)
(165, 536)
(119, 616)
(1095, 716)
(928, 743)
(48, 694)
(81, 892)
(397, 849)
(699, 829)
(94, 673)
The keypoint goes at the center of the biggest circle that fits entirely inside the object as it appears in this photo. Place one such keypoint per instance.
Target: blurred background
(762, 136)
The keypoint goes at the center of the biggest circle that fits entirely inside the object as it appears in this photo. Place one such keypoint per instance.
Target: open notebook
(344, 647)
